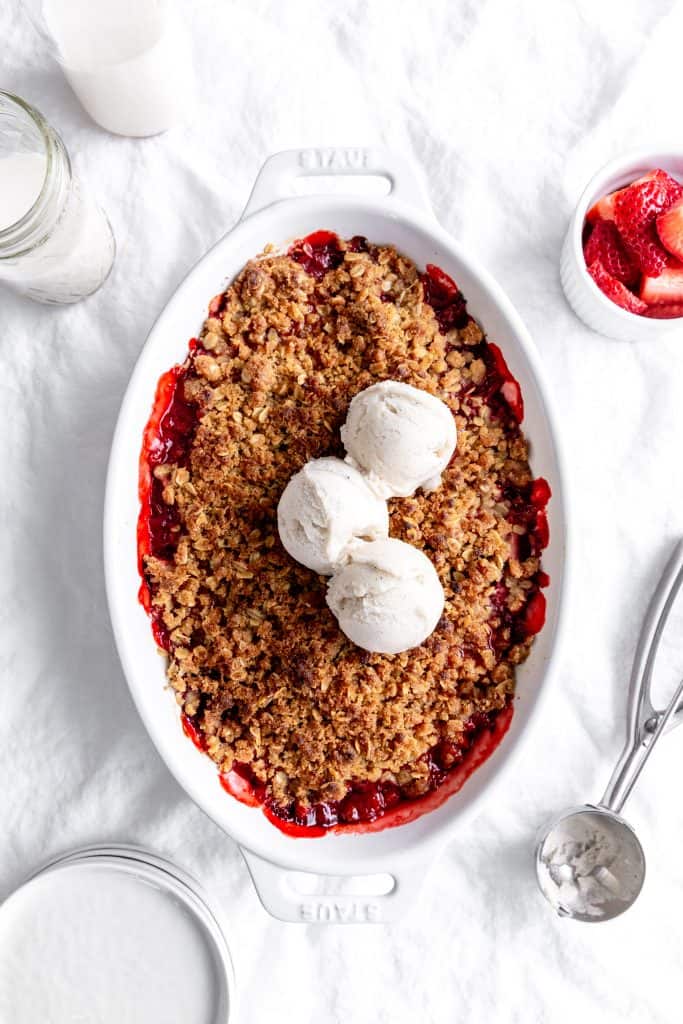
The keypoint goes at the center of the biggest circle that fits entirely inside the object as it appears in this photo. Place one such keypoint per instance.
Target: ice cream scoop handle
(634, 757)
(645, 723)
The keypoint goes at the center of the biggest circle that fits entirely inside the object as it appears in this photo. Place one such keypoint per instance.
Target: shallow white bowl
(403, 219)
(587, 300)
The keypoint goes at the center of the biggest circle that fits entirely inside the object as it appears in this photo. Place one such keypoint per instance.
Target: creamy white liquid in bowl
(124, 60)
(86, 942)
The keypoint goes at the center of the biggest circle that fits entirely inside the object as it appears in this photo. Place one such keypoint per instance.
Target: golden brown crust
(257, 659)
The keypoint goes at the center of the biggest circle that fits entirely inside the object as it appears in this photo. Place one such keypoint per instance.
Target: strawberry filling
(443, 295)
(498, 389)
(317, 253)
(369, 806)
(167, 439)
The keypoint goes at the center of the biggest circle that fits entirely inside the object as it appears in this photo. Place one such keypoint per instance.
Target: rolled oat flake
(113, 935)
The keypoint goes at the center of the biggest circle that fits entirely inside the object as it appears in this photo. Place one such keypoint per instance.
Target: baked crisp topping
(255, 657)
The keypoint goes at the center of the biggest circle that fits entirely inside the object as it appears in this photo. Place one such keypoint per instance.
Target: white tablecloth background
(509, 107)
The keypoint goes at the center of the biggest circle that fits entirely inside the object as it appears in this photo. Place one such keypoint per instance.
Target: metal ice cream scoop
(589, 862)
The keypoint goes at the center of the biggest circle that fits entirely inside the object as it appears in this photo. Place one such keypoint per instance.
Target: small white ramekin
(583, 295)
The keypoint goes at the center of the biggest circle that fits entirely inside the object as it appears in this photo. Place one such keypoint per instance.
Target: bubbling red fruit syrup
(317, 253)
(527, 509)
(373, 806)
(193, 732)
(367, 806)
(358, 243)
(499, 389)
(443, 295)
(167, 438)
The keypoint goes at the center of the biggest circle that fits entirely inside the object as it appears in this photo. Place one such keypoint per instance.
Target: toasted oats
(256, 659)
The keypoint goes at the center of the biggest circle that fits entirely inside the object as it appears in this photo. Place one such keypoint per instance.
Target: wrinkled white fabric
(509, 107)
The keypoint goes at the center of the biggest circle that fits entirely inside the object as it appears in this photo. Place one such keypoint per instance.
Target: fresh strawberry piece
(666, 312)
(636, 210)
(603, 209)
(673, 189)
(670, 229)
(605, 244)
(615, 290)
(663, 289)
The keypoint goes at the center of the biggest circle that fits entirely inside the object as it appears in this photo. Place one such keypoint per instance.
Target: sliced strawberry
(664, 289)
(673, 190)
(533, 618)
(540, 493)
(605, 244)
(512, 393)
(541, 532)
(603, 209)
(636, 209)
(671, 312)
(670, 229)
(615, 290)
(441, 281)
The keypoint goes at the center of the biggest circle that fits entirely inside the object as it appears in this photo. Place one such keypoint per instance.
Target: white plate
(405, 220)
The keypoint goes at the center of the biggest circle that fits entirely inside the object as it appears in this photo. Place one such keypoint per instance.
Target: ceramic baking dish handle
(277, 178)
(303, 898)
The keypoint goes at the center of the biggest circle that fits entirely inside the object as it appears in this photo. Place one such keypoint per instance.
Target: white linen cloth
(509, 108)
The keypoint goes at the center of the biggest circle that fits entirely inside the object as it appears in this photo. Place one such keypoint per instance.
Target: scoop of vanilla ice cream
(401, 437)
(387, 598)
(326, 507)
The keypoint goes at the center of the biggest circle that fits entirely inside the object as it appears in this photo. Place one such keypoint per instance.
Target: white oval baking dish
(405, 219)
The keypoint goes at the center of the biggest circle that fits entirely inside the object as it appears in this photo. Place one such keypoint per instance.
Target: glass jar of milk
(126, 60)
(56, 244)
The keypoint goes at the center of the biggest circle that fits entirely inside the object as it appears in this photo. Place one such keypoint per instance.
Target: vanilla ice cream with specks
(399, 437)
(325, 508)
(387, 598)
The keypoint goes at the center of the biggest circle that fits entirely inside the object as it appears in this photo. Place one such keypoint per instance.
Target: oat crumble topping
(255, 657)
